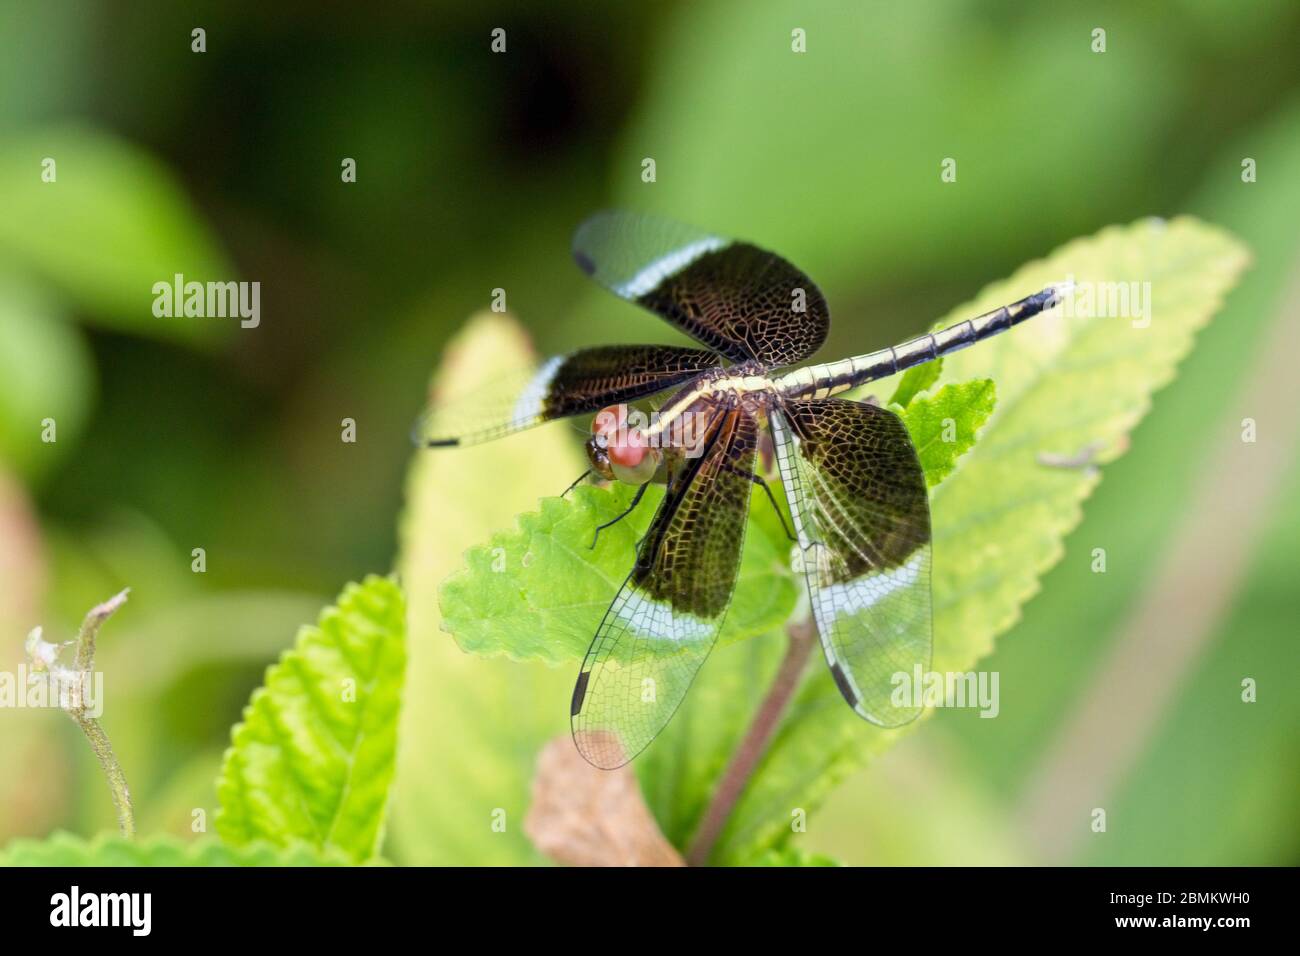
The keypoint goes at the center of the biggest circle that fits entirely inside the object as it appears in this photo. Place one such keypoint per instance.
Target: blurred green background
(473, 169)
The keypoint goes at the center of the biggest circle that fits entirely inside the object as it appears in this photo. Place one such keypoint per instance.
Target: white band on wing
(532, 399)
(659, 269)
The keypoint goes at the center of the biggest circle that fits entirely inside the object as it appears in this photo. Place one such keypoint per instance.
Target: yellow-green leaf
(943, 426)
(918, 379)
(315, 754)
(1065, 385)
(539, 590)
(65, 849)
(468, 719)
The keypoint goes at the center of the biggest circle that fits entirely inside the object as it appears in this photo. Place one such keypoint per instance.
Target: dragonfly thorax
(745, 385)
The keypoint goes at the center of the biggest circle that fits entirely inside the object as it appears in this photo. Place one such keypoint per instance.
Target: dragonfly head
(620, 453)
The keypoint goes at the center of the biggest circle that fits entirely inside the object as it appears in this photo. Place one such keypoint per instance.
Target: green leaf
(112, 224)
(314, 756)
(1064, 385)
(792, 856)
(538, 592)
(65, 849)
(943, 426)
(45, 373)
(468, 719)
(919, 378)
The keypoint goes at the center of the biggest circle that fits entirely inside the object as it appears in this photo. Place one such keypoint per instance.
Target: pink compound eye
(609, 420)
(628, 448)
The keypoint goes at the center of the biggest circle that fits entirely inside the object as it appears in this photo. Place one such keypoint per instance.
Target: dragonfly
(850, 476)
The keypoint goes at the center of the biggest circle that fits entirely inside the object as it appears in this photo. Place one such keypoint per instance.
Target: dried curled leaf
(581, 816)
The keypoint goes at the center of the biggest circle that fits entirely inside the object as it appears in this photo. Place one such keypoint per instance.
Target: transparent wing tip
(603, 749)
(888, 718)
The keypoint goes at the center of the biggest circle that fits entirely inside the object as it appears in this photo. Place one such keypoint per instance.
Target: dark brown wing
(734, 297)
(861, 512)
(665, 619)
(581, 382)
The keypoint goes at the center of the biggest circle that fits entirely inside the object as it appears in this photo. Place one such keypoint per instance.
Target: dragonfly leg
(636, 500)
(770, 497)
(577, 481)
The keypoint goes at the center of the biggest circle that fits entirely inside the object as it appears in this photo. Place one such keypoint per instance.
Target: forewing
(665, 619)
(581, 382)
(745, 302)
(858, 499)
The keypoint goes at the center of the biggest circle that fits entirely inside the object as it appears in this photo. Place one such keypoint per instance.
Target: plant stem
(754, 745)
(112, 770)
(96, 616)
(75, 707)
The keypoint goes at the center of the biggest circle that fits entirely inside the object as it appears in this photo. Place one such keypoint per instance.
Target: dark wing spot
(579, 693)
(842, 683)
(584, 262)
